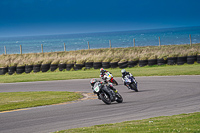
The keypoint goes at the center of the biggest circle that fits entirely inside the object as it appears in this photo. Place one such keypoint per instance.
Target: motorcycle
(131, 83)
(109, 78)
(106, 94)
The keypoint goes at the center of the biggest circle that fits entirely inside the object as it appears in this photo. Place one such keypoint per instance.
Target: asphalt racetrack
(157, 96)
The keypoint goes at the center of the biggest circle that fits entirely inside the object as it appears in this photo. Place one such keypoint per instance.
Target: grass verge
(185, 123)
(19, 100)
(164, 70)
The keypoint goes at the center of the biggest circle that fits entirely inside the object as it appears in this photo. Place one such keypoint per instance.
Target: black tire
(115, 82)
(69, 66)
(61, 67)
(11, 70)
(106, 64)
(171, 60)
(181, 60)
(152, 62)
(198, 58)
(113, 64)
(143, 63)
(3, 70)
(119, 98)
(133, 86)
(36, 68)
(88, 65)
(97, 65)
(105, 98)
(53, 67)
(20, 69)
(191, 59)
(45, 67)
(132, 63)
(161, 62)
(28, 68)
(123, 64)
(79, 66)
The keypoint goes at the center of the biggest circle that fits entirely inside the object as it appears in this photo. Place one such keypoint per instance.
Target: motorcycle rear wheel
(105, 98)
(133, 86)
(119, 98)
(115, 82)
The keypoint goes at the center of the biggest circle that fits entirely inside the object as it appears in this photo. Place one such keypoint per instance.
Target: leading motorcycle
(131, 83)
(106, 94)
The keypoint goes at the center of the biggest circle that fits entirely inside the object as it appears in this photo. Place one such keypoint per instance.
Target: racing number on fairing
(96, 89)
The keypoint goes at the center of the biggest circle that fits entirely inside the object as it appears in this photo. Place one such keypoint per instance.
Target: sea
(72, 42)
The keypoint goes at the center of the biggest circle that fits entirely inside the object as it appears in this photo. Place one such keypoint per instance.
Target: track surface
(157, 96)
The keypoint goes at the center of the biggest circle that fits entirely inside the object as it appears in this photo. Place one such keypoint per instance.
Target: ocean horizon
(55, 43)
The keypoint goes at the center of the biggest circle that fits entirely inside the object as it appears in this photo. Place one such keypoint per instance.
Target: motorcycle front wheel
(119, 98)
(133, 86)
(105, 98)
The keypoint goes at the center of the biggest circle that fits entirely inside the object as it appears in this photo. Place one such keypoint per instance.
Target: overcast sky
(45, 17)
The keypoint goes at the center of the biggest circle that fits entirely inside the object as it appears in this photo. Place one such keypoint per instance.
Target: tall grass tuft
(101, 55)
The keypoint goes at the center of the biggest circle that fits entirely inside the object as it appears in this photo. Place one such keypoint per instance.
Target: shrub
(115, 60)
(153, 57)
(80, 61)
(55, 62)
(123, 60)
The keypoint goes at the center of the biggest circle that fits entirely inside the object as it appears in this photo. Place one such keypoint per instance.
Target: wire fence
(110, 45)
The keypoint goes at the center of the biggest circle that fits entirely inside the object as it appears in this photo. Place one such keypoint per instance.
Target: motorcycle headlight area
(96, 89)
(128, 80)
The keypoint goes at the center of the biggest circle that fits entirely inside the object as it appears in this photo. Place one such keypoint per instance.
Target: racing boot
(115, 90)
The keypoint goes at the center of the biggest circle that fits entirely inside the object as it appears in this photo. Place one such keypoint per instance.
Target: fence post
(64, 47)
(134, 42)
(42, 48)
(159, 41)
(110, 43)
(88, 45)
(5, 50)
(20, 49)
(190, 40)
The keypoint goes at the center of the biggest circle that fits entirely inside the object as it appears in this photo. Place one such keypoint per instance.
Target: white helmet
(123, 71)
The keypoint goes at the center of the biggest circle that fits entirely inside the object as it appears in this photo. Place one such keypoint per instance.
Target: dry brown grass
(100, 55)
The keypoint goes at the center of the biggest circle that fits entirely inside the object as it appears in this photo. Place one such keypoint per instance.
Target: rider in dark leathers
(124, 73)
(93, 81)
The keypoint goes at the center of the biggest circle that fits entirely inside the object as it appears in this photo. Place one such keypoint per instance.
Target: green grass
(164, 70)
(19, 100)
(184, 123)
(187, 123)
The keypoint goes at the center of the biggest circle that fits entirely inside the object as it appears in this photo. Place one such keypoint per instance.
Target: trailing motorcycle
(131, 83)
(109, 78)
(106, 94)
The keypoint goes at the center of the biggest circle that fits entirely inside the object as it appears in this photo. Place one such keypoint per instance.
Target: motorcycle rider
(124, 73)
(93, 81)
(102, 73)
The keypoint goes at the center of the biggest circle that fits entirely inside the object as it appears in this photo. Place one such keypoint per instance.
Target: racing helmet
(93, 81)
(123, 71)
